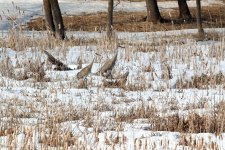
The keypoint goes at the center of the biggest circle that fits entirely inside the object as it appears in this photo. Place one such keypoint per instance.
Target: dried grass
(55, 139)
(201, 82)
(136, 113)
(136, 21)
(192, 123)
(6, 68)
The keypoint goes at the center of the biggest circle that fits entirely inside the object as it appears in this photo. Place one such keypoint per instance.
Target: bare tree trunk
(53, 18)
(57, 19)
(153, 14)
(110, 18)
(48, 16)
(184, 10)
(199, 19)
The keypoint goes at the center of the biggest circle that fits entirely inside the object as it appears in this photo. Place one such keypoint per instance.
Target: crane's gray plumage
(85, 71)
(124, 76)
(108, 65)
(59, 65)
(79, 61)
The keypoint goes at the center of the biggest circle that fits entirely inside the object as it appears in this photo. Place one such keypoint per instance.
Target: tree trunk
(110, 18)
(57, 19)
(199, 19)
(48, 16)
(184, 10)
(153, 14)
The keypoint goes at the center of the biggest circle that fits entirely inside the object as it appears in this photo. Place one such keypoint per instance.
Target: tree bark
(184, 10)
(48, 16)
(199, 19)
(57, 19)
(153, 14)
(110, 18)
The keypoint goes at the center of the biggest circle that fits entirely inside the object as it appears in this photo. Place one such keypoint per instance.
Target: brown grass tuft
(136, 113)
(193, 123)
(8, 131)
(31, 69)
(6, 67)
(58, 140)
(201, 82)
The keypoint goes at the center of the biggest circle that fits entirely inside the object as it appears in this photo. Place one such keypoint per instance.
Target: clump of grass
(202, 103)
(6, 68)
(31, 69)
(141, 86)
(193, 123)
(56, 139)
(8, 131)
(193, 143)
(35, 70)
(136, 113)
(201, 82)
(17, 40)
(103, 106)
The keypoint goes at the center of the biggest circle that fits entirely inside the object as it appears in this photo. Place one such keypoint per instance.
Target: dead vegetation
(201, 82)
(55, 139)
(193, 123)
(136, 21)
(136, 113)
(8, 131)
(25, 70)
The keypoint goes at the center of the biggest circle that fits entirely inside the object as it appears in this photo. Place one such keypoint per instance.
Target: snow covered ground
(140, 115)
(34, 101)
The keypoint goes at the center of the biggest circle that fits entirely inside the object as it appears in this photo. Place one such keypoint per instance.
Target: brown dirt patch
(213, 16)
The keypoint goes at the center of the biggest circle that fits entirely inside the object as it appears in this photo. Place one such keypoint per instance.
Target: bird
(119, 82)
(79, 62)
(59, 65)
(85, 71)
(123, 76)
(166, 71)
(107, 67)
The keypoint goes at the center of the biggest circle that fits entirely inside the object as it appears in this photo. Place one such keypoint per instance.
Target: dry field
(213, 17)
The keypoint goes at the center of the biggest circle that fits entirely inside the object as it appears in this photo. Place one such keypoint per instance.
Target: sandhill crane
(59, 65)
(107, 67)
(123, 76)
(85, 71)
(119, 82)
(79, 62)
